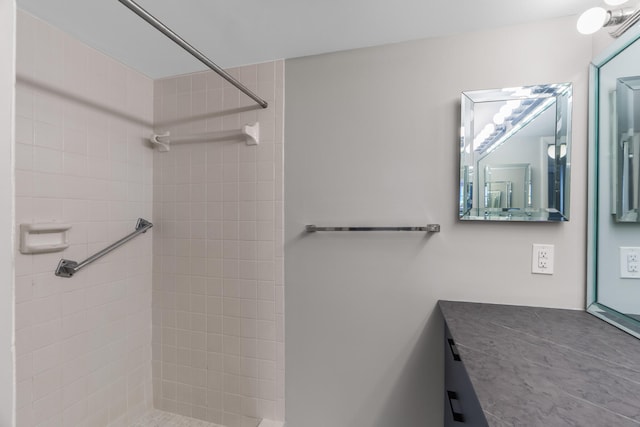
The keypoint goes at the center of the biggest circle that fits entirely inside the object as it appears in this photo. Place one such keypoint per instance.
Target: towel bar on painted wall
(429, 228)
(67, 268)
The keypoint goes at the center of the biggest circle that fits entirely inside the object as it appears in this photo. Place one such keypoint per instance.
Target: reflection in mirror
(614, 188)
(514, 153)
(507, 186)
(627, 137)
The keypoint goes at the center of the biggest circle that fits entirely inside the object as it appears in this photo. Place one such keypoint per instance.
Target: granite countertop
(547, 367)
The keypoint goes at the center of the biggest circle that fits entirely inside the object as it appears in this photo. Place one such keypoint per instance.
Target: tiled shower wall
(218, 337)
(83, 353)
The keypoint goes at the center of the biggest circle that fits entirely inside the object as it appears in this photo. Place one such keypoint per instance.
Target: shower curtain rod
(158, 25)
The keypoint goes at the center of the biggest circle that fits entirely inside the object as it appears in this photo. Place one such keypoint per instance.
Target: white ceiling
(241, 32)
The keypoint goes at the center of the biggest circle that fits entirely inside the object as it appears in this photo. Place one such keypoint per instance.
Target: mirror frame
(529, 213)
(616, 318)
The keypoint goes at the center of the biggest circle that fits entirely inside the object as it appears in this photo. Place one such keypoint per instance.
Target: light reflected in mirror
(514, 153)
(614, 188)
(506, 186)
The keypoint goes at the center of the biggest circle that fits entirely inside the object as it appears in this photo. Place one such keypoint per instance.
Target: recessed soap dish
(43, 238)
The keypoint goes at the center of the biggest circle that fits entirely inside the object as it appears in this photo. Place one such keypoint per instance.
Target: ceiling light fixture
(595, 18)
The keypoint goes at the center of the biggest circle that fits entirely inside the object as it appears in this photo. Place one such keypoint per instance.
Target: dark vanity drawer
(461, 406)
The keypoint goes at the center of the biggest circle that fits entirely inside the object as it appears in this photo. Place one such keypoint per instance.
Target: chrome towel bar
(429, 228)
(67, 268)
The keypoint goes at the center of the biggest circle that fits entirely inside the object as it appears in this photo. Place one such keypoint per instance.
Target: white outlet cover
(536, 266)
(628, 268)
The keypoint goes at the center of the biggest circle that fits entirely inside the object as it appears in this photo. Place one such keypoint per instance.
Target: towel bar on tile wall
(429, 228)
(250, 133)
(67, 268)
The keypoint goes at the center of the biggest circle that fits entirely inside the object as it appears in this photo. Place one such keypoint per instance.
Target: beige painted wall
(372, 138)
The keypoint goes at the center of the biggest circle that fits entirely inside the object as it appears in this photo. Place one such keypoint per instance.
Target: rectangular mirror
(515, 153)
(626, 134)
(613, 267)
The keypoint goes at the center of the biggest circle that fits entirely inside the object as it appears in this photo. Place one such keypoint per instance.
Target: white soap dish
(43, 238)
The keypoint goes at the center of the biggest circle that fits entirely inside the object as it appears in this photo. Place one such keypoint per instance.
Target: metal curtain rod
(430, 228)
(142, 13)
(67, 268)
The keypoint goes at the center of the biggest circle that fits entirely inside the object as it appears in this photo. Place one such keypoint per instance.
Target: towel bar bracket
(66, 268)
(143, 225)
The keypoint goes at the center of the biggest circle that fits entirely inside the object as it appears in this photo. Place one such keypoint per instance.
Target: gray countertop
(547, 367)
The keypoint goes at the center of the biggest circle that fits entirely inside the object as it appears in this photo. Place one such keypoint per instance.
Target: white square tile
(47, 382)
(24, 130)
(47, 135)
(24, 157)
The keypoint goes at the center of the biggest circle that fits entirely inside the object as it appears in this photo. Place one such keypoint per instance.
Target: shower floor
(157, 418)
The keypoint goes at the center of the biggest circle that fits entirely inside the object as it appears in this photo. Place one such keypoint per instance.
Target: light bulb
(615, 2)
(523, 92)
(506, 110)
(489, 128)
(498, 118)
(592, 20)
(514, 103)
(551, 151)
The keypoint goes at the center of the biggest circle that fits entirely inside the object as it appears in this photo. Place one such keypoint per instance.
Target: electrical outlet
(542, 259)
(543, 252)
(543, 262)
(629, 262)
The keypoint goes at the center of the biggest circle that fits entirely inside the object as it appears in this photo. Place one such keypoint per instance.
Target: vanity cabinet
(461, 406)
(537, 367)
